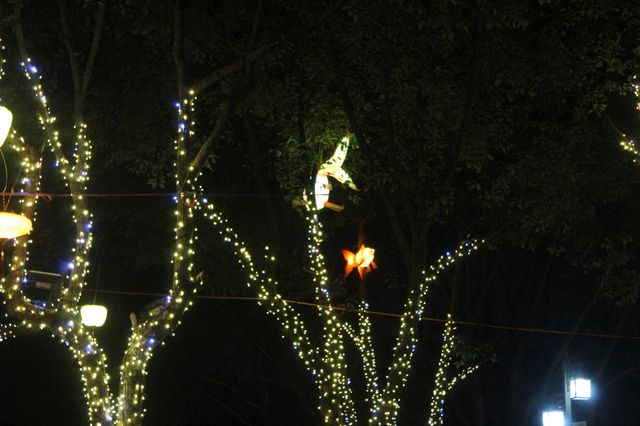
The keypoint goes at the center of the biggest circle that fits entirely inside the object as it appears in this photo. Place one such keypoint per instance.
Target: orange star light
(362, 260)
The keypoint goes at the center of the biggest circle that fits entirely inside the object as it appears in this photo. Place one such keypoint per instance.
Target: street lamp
(574, 389)
(553, 418)
(579, 389)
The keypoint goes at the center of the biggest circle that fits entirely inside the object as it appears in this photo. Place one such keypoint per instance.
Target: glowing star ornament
(362, 260)
(333, 167)
(13, 225)
(5, 123)
(93, 315)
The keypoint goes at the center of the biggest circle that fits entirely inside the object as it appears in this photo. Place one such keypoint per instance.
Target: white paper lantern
(93, 315)
(13, 225)
(5, 123)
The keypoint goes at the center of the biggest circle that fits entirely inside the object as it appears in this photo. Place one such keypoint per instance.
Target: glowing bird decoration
(333, 167)
(93, 315)
(362, 261)
(13, 225)
(5, 123)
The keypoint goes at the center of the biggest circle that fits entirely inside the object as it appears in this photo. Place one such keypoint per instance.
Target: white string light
(443, 383)
(626, 143)
(63, 319)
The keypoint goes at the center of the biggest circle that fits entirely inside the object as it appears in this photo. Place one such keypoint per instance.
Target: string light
(291, 323)
(385, 409)
(63, 318)
(443, 383)
(626, 143)
(7, 331)
(151, 333)
(326, 361)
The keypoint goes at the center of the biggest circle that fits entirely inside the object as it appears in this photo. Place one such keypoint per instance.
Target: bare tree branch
(67, 38)
(178, 46)
(95, 42)
(17, 29)
(214, 135)
(255, 54)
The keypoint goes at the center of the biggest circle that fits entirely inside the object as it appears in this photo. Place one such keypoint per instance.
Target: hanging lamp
(93, 315)
(5, 123)
(13, 225)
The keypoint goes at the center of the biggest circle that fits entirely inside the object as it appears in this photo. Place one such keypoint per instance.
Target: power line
(51, 195)
(388, 314)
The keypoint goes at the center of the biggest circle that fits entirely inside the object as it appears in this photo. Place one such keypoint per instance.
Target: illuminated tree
(62, 319)
(326, 361)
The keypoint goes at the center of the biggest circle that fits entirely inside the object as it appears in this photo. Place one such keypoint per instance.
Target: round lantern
(13, 225)
(93, 315)
(5, 123)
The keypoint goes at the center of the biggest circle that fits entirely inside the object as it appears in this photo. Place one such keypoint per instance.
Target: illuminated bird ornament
(333, 167)
(361, 260)
(13, 225)
(5, 123)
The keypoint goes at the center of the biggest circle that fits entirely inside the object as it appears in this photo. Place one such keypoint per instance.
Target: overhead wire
(387, 314)
(51, 195)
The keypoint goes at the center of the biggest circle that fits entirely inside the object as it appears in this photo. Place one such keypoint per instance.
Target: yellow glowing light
(13, 225)
(5, 123)
(93, 315)
(362, 260)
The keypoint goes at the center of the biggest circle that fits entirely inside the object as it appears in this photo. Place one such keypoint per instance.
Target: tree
(63, 318)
